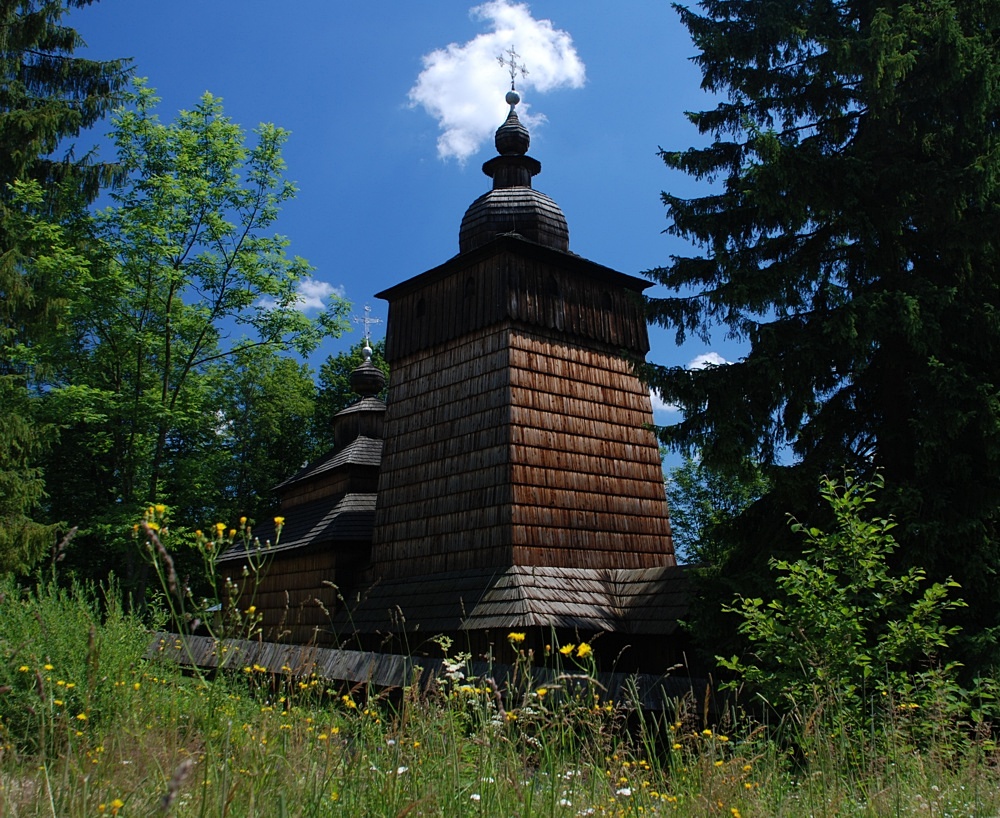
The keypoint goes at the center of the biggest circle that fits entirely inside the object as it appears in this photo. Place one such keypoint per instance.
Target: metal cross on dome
(367, 321)
(511, 64)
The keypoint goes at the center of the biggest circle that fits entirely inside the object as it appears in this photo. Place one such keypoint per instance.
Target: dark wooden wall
(444, 488)
(514, 280)
(292, 598)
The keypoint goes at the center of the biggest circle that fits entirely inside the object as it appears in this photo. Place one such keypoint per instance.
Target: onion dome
(513, 206)
(367, 380)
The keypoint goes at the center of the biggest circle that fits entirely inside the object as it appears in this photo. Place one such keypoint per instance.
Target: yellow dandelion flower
(81, 716)
(677, 746)
(220, 527)
(232, 533)
(58, 702)
(515, 638)
(542, 691)
(584, 651)
(23, 669)
(252, 610)
(279, 521)
(160, 508)
(243, 521)
(706, 733)
(566, 650)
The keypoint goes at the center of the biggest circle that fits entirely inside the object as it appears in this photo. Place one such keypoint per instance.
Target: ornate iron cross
(367, 321)
(511, 64)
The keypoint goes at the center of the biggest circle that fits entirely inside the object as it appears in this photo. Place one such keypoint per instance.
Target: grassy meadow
(89, 727)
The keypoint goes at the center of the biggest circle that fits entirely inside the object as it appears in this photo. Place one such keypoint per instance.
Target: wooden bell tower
(519, 471)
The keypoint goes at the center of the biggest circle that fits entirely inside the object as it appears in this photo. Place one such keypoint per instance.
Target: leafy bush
(845, 629)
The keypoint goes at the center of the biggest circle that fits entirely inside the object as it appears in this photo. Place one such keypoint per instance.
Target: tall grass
(89, 727)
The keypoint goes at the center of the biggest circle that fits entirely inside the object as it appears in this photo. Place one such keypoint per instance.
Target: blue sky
(386, 102)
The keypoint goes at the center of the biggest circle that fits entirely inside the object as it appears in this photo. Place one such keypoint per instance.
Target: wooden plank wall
(296, 604)
(588, 486)
(519, 287)
(444, 488)
(329, 485)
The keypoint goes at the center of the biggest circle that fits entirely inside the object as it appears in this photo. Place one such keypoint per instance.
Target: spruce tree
(47, 96)
(848, 234)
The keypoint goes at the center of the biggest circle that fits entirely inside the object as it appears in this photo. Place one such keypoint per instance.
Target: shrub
(844, 629)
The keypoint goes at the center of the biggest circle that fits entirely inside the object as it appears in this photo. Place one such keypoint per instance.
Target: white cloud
(312, 294)
(463, 86)
(660, 405)
(707, 359)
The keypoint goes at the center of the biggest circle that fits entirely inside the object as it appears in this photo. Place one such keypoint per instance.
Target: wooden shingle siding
(520, 441)
(588, 485)
(445, 471)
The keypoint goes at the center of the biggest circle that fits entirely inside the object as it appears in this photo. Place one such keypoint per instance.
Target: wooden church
(511, 481)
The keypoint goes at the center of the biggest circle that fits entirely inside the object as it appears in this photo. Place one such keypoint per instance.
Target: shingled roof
(362, 451)
(318, 522)
(646, 601)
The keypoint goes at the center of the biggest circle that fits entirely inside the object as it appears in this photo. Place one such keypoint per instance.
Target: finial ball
(513, 97)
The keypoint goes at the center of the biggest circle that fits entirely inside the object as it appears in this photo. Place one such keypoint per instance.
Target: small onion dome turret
(513, 206)
(367, 380)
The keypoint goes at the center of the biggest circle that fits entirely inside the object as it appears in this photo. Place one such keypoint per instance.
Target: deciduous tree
(187, 280)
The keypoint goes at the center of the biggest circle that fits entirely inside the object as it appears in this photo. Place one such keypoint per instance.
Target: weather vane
(510, 62)
(367, 321)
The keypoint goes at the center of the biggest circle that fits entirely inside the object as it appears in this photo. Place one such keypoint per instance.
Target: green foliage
(704, 502)
(22, 540)
(179, 330)
(843, 627)
(48, 95)
(266, 404)
(849, 238)
(63, 652)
